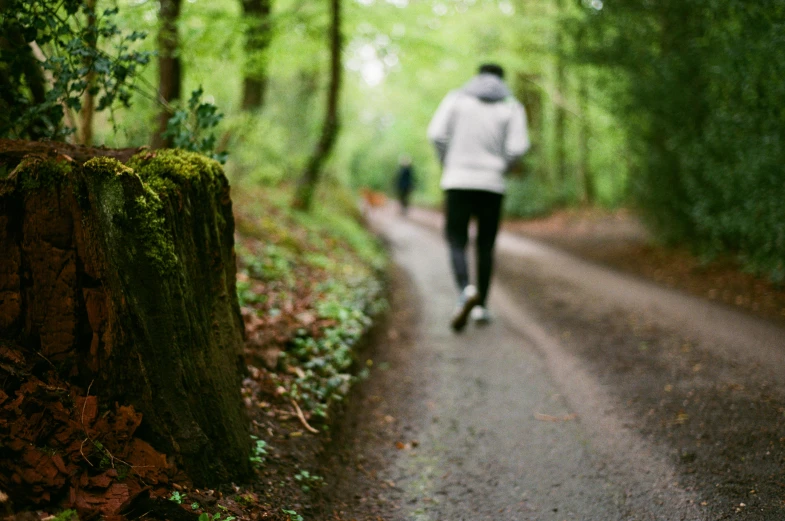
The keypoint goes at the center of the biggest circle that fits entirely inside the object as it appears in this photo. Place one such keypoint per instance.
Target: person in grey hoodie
(478, 130)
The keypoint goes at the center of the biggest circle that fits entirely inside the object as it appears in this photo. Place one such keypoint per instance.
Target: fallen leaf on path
(548, 418)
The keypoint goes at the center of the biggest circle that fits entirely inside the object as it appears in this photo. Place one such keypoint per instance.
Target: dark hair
(492, 68)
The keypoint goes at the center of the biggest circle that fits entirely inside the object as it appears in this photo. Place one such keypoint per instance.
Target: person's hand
(521, 167)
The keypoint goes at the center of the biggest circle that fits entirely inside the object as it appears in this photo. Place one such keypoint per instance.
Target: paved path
(525, 419)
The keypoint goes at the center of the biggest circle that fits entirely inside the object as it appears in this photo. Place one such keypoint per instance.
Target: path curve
(517, 420)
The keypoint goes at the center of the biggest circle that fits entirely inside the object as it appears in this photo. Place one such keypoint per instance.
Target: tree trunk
(561, 88)
(584, 134)
(257, 40)
(88, 106)
(25, 64)
(530, 94)
(169, 67)
(584, 131)
(120, 279)
(306, 187)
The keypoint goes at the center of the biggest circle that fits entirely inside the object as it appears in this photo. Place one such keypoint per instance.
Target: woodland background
(673, 107)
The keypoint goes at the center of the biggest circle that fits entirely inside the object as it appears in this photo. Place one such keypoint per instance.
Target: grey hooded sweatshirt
(478, 131)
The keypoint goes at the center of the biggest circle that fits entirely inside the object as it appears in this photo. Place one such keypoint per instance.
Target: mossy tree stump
(123, 277)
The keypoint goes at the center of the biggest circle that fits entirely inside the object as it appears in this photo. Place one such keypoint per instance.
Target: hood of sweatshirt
(487, 87)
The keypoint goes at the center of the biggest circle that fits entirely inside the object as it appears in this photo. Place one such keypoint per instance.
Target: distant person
(479, 131)
(404, 182)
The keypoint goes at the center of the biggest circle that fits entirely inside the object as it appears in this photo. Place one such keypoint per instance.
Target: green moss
(106, 167)
(102, 173)
(165, 170)
(67, 515)
(142, 216)
(34, 173)
(122, 471)
(146, 217)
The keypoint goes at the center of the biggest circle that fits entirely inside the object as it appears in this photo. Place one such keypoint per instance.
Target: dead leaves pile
(58, 450)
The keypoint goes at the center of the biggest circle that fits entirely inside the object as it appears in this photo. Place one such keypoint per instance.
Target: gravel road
(592, 396)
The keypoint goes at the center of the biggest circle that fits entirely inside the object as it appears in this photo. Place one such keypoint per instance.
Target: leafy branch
(48, 51)
(189, 126)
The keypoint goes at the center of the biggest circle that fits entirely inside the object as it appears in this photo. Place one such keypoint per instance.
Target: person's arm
(440, 127)
(516, 142)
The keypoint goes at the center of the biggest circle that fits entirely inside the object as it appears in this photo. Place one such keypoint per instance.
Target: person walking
(404, 182)
(478, 131)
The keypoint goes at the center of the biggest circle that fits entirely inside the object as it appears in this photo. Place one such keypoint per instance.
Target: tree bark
(306, 186)
(561, 87)
(24, 65)
(584, 131)
(122, 277)
(12, 151)
(169, 67)
(584, 134)
(257, 40)
(88, 106)
(530, 94)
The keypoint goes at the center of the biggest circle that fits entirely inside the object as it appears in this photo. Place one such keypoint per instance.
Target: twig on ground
(548, 418)
(302, 418)
(84, 406)
(45, 358)
(81, 451)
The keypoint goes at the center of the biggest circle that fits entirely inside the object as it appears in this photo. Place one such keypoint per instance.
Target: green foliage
(528, 197)
(308, 481)
(79, 56)
(67, 515)
(204, 516)
(339, 262)
(293, 515)
(246, 294)
(703, 105)
(192, 128)
(272, 263)
(327, 359)
(336, 215)
(259, 452)
(177, 497)
(245, 499)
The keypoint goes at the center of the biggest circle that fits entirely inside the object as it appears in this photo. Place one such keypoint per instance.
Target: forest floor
(309, 287)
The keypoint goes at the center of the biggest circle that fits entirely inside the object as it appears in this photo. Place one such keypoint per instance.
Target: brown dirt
(617, 239)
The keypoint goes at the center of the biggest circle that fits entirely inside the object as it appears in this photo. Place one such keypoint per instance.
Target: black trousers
(460, 207)
(403, 197)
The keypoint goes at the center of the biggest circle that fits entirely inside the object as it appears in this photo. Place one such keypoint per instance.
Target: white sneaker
(467, 300)
(480, 315)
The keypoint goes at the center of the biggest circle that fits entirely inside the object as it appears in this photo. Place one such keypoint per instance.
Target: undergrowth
(309, 286)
